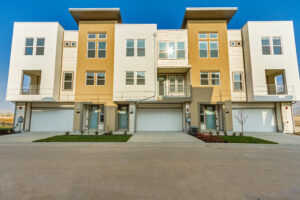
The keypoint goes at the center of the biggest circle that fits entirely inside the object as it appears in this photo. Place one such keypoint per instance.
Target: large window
(208, 45)
(130, 48)
(266, 46)
(204, 78)
(277, 46)
(141, 48)
(29, 46)
(215, 78)
(140, 78)
(237, 81)
(101, 49)
(91, 50)
(40, 46)
(171, 50)
(90, 78)
(68, 81)
(101, 78)
(129, 78)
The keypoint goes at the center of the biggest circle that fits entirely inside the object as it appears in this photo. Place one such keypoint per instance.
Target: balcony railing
(174, 91)
(276, 89)
(35, 90)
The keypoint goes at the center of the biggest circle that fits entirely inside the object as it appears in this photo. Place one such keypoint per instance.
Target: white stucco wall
(256, 63)
(236, 64)
(49, 63)
(69, 64)
(173, 36)
(122, 63)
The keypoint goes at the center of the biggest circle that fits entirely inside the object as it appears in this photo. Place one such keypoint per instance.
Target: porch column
(132, 111)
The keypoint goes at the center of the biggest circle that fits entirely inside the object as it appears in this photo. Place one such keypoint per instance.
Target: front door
(123, 117)
(94, 113)
(210, 117)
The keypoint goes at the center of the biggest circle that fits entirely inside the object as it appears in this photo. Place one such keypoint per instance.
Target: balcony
(31, 82)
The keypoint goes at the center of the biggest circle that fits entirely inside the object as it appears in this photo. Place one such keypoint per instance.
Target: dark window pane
(277, 50)
(68, 76)
(202, 118)
(68, 85)
(40, 42)
(237, 86)
(141, 52)
(214, 53)
(40, 51)
(163, 54)
(130, 52)
(91, 53)
(180, 54)
(101, 53)
(203, 53)
(29, 42)
(100, 82)
(266, 50)
(140, 81)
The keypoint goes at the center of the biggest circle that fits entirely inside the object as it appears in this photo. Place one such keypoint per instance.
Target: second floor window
(140, 78)
(129, 78)
(180, 50)
(91, 50)
(171, 50)
(215, 78)
(237, 81)
(207, 78)
(90, 78)
(271, 45)
(101, 78)
(266, 46)
(277, 46)
(130, 48)
(204, 78)
(203, 49)
(68, 81)
(141, 48)
(29, 46)
(101, 49)
(40, 46)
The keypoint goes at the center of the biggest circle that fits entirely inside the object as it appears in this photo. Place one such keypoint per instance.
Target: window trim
(92, 34)
(175, 51)
(211, 78)
(36, 47)
(101, 49)
(270, 45)
(242, 81)
(137, 78)
(86, 78)
(130, 78)
(72, 81)
(130, 48)
(98, 36)
(210, 49)
(137, 47)
(207, 49)
(208, 78)
(33, 53)
(281, 47)
(91, 50)
(100, 72)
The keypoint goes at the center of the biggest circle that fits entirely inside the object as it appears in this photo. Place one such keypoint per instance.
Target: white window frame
(213, 79)
(180, 50)
(165, 51)
(93, 38)
(213, 38)
(204, 78)
(167, 48)
(273, 45)
(213, 49)
(206, 42)
(234, 81)
(86, 78)
(129, 78)
(100, 78)
(91, 49)
(132, 48)
(203, 38)
(39, 46)
(102, 38)
(140, 48)
(103, 50)
(143, 78)
(64, 80)
(29, 46)
(262, 45)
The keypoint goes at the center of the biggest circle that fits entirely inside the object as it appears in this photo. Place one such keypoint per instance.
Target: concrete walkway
(27, 137)
(280, 138)
(163, 137)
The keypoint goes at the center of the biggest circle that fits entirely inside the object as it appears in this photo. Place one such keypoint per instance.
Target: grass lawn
(245, 139)
(86, 138)
(3, 129)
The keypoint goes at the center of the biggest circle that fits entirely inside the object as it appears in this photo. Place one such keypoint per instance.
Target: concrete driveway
(163, 137)
(280, 138)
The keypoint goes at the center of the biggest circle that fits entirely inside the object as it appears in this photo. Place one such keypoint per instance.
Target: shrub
(233, 134)
(241, 134)
(81, 132)
(125, 132)
(96, 132)
(67, 133)
(225, 133)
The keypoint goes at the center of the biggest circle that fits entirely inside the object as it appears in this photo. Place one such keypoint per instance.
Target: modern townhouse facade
(110, 76)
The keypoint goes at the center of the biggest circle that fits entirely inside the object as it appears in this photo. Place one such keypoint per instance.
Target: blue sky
(167, 14)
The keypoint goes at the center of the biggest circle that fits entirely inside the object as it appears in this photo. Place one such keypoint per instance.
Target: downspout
(155, 78)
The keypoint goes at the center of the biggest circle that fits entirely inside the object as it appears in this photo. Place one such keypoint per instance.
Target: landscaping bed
(86, 138)
(209, 138)
(6, 131)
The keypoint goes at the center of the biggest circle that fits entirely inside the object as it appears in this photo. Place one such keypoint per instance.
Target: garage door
(257, 120)
(52, 120)
(159, 119)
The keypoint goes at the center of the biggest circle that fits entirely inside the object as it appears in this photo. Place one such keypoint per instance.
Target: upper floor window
(277, 46)
(130, 47)
(204, 78)
(101, 78)
(97, 45)
(70, 44)
(29, 46)
(141, 48)
(237, 81)
(40, 46)
(171, 50)
(140, 78)
(68, 81)
(90, 78)
(215, 78)
(209, 77)
(130, 78)
(271, 46)
(237, 43)
(208, 45)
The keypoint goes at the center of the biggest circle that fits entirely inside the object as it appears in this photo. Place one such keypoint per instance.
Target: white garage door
(257, 120)
(159, 119)
(52, 120)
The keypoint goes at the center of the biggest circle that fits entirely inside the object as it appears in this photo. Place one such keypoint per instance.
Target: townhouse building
(110, 76)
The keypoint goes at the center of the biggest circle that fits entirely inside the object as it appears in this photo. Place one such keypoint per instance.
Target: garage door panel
(52, 120)
(159, 120)
(257, 120)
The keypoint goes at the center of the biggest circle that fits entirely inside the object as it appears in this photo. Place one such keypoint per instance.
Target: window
(180, 50)
(141, 48)
(67, 44)
(130, 48)
(277, 46)
(90, 78)
(239, 43)
(203, 49)
(140, 78)
(213, 36)
(102, 35)
(91, 49)
(73, 44)
(171, 50)
(29, 46)
(129, 78)
(68, 81)
(237, 81)
(163, 50)
(232, 43)
(214, 49)
(101, 114)
(101, 78)
(215, 78)
(266, 47)
(202, 114)
(91, 36)
(204, 78)
(101, 49)
(180, 83)
(202, 35)
(40, 46)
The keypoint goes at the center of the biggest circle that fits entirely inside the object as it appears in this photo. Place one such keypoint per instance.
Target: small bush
(81, 132)
(241, 134)
(233, 134)
(96, 132)
(225, 133)
(67, 133)
(125, 132)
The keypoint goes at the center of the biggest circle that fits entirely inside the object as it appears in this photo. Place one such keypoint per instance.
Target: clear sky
(167, 14)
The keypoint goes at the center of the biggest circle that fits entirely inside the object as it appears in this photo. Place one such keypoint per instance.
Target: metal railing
(34, 90)
(174, 91)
